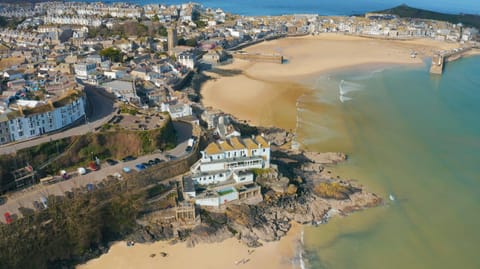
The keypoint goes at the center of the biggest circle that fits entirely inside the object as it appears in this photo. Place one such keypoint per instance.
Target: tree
(112, 54)
(192, 42)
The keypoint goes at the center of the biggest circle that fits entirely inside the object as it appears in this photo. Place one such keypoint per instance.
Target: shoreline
(230, 253)
(272, 89)
(244, 89)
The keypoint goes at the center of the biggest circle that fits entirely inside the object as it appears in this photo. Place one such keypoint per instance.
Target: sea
(408, 134)
(322, 7)
(413, 136)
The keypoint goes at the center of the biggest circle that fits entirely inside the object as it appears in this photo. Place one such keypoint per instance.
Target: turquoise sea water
(415, 136)
(344, 7)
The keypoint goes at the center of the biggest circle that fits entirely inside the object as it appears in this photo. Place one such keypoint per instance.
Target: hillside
(405, 11)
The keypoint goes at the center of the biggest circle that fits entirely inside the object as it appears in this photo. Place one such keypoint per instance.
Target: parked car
(3, 200)
(128, 158)
(140, 167)
(8, 218)
(157, 160)
(170, 157)
(64, 175)
(111, 162)
(89, 187)
(37, 205)
(93, 166)
(151, 162)
(126, 169)
(81, 171)
(44, 201)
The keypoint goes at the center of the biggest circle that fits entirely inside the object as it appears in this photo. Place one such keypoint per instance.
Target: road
(25, 198)
(100, 109)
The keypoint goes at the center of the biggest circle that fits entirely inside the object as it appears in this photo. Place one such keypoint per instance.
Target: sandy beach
(227, 254)
(266, 93)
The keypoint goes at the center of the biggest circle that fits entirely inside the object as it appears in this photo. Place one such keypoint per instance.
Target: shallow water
(415, 136)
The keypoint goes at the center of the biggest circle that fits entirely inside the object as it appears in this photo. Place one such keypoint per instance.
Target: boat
(391, 197)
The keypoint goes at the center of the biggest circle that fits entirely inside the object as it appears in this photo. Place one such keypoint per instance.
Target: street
(25, 198)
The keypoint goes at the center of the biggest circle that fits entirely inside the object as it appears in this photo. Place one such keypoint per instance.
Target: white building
(29, 118)
(215, 198)
(231, 159)
(177, 110)
(122, 89)
(187, 59)
(83, 70)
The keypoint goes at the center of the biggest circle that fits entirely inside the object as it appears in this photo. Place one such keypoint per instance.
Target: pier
(439, 59)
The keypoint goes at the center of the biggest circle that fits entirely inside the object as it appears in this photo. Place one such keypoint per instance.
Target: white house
(187, 59)
(225, 129)
(231, 159)
(33, 118)
(176, 110)
(216, 198)
(83, 70)
(236, 154)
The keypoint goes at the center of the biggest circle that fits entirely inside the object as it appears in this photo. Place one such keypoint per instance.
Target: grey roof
(188, 185)
(119, 85)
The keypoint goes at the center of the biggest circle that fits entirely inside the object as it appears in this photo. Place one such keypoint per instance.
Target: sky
(448, 6)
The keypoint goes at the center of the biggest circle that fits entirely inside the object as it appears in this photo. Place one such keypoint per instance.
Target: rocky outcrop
(276, 136)
(270, 220)
(300, 190)
(325, 157)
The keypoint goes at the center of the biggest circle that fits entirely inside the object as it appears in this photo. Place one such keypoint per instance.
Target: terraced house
(24, 119)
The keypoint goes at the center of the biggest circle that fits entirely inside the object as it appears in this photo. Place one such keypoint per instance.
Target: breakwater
(259, 57)
(439, 59)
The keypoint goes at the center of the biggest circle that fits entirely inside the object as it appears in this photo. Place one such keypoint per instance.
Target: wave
(344, 99)
(347, 86)
(300, 255)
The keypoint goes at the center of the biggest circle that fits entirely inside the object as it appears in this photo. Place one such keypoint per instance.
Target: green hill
(405, 11)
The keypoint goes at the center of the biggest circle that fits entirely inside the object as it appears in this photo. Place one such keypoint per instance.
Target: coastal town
(102, 100)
